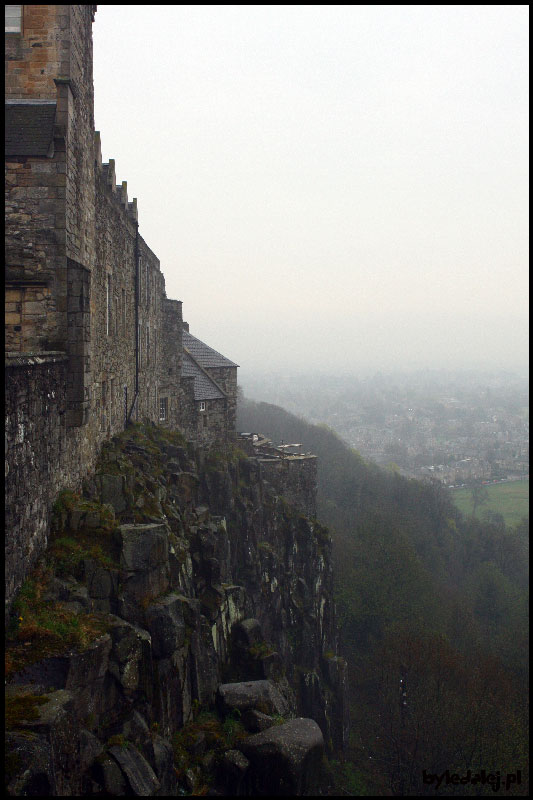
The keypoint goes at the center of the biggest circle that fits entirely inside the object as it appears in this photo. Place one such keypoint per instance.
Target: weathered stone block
(144, 547)
(285, 760)
(259, 695)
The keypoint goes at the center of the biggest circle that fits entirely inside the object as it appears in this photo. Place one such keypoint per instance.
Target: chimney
(186, 326)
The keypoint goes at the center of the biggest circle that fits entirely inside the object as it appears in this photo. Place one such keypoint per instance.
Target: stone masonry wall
(37, 55)
(171, 359)
(151, 332)
(75, 89)
(208, 427)
(35, 443)
(226, 377)
(113, 318)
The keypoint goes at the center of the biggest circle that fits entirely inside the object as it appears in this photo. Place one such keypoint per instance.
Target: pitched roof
(204, 387)
(204, 355)
(29, 127)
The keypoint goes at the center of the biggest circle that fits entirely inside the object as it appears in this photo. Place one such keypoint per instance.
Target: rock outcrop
(179, 635)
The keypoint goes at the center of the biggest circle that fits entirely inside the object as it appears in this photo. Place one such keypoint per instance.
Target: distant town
(457, 428)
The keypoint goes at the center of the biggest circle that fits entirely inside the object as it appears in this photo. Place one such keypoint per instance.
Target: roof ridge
(215, 354)
(204, 371)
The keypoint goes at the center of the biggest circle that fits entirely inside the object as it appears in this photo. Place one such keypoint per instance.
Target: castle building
(92, 341)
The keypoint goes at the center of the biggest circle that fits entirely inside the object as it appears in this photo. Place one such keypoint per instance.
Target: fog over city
(330, 189)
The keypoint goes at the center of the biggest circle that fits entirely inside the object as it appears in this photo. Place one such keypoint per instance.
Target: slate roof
(29, 127)
(204, 355)
(204, 387)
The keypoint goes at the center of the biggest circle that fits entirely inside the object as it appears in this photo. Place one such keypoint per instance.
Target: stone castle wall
(171, 350)
(81, 283)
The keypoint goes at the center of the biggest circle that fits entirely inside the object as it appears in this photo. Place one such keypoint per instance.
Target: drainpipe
(136, 320)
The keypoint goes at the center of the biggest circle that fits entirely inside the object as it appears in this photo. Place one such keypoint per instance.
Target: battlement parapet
(119, 191)
(292, 474)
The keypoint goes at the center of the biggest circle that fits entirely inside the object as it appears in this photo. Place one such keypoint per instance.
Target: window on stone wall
(13, 19)
(163, 409)
(202, 405)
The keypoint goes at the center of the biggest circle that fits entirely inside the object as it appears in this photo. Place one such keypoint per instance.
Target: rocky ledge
(178, 636)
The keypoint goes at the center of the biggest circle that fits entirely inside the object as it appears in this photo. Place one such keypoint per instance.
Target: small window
(13, 19)
(202, 405)
(163, 409)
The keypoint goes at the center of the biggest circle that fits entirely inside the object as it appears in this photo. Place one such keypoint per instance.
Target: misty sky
(328, 188)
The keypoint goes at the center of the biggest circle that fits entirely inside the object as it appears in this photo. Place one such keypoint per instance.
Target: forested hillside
(433, 621)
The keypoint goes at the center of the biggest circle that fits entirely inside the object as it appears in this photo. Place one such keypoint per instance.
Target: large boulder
(285, 760)
(259, 695)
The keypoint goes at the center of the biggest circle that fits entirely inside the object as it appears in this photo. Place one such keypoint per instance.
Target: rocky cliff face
(178, 636)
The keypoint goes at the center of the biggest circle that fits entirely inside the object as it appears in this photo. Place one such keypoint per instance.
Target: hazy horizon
(329, 188)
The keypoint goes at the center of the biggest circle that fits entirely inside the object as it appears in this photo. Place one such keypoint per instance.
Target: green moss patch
(21, 709)
(41, 628)
(207, 733)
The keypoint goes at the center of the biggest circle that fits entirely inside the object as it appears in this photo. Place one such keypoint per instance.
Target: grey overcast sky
(329, 188)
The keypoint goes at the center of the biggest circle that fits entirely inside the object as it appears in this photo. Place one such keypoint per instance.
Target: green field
(511, 500)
